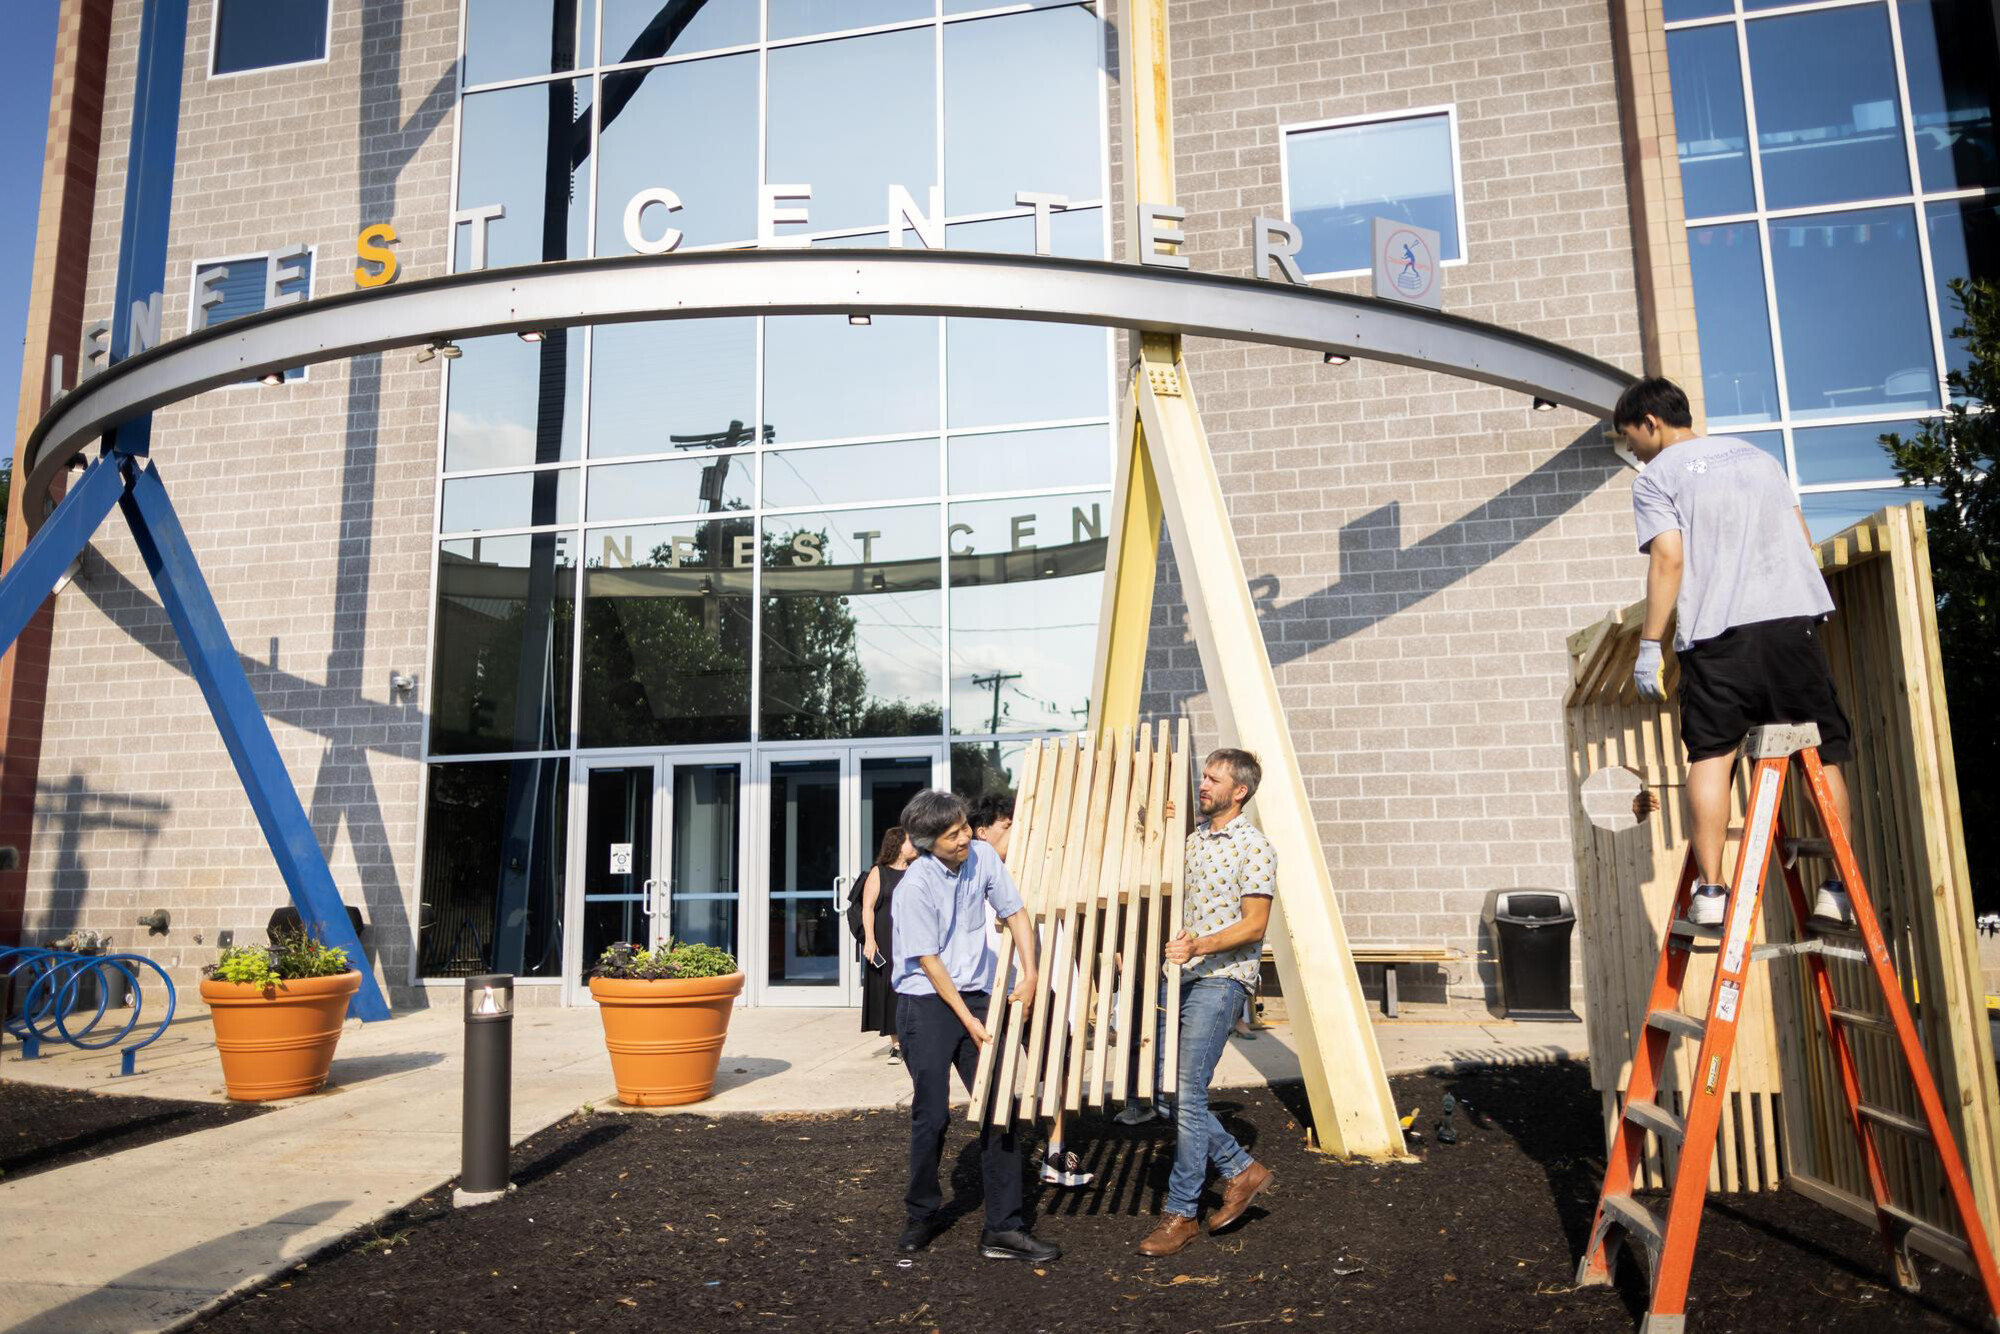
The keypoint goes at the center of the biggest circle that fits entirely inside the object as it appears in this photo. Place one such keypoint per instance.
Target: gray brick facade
(1420, 546)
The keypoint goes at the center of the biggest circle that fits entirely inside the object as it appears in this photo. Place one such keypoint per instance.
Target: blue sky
(26, 59)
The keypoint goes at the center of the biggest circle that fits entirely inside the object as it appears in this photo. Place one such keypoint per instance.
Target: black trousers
(935, 1043)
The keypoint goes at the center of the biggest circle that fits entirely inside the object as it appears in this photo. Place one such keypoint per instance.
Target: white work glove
(1649, 674)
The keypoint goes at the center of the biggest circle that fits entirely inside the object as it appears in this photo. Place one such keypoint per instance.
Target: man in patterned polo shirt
(1232, 874)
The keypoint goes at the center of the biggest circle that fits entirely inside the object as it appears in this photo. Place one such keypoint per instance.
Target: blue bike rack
(48, 1010)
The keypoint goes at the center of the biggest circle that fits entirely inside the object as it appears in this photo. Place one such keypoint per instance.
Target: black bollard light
(489, 1089)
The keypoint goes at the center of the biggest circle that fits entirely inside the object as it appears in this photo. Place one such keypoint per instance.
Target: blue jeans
(1209, 1009)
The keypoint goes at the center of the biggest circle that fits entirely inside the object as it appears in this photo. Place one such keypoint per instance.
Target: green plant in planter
(294, 955)
(628, 962)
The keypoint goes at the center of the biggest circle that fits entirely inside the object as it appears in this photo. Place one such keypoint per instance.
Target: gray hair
(1243, 768)
(930, 814)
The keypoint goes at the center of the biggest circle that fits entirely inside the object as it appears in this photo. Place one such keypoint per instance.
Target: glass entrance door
(825, 812)
(662, 855)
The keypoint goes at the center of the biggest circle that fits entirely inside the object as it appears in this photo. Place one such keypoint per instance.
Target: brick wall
(1420, 545)
(310, 505)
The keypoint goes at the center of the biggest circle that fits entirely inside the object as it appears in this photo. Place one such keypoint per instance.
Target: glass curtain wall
(1839, 165)
(767, 530)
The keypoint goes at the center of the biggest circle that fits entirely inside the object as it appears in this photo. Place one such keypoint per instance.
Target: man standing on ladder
(1731, 560)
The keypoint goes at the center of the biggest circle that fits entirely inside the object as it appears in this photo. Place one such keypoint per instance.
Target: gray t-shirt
(1744, 558)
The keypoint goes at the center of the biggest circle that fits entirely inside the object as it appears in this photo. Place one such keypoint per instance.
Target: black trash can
(1531, 930)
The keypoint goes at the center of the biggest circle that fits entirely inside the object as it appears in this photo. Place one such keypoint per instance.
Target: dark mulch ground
(631, 1221)
(42, 1128)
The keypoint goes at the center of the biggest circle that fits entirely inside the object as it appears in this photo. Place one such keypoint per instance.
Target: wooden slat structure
(1098, 861)
(1788, 1125)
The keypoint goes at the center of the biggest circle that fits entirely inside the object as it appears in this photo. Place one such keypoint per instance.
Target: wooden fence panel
(1786, 1118)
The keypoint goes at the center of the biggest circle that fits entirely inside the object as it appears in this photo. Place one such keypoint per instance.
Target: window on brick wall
(1339, 176)
(263, 34)
(228, 289)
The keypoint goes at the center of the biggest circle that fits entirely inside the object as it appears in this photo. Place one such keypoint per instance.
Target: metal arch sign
(810, 282)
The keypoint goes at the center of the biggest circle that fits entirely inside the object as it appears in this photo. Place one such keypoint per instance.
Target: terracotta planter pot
(277, 1042)
(665, 1037)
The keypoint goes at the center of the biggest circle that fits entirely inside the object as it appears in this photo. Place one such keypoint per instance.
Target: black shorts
(1750, 675)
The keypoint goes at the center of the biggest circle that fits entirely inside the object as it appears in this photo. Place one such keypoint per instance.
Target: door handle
(649, 900)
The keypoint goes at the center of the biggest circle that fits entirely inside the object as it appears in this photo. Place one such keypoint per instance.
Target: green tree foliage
(1957, 454)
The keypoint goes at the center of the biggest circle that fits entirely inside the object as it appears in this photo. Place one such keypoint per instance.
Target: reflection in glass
(1771, 442)
(1965, 243)
(1847, 453)
(513, 403)
(1828, 512)
(703, 889)
(1850, 295)
(896, 470)
(1016, 90)
(1708, 119)
(1739, 382)
(666, 634)
(1342, 178)
(519, 39)
(649, 29)
(887, 782)
(1828, 126)
(258, 34)
(802, 18)
(708, 484)
(1696, 9)
(508, 500)
(852, 610)
(672, 384)
(617, 858)
(692, 128)
(1074, 233)
(1026, 580)
(805, 935)
(500, 677)
(851, 118)
(826, 379)
(980, 767)
(1954, 84)
(526, 149)
(989, 361)
(1028, 460)
(471, 862)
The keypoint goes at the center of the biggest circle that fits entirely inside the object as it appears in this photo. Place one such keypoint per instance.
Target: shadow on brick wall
(77, 813)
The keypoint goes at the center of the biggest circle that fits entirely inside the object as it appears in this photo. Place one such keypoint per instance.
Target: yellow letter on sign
(372, 246)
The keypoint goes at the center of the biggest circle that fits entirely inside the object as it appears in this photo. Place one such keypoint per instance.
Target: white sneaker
(1831, 904)
(1135, 1114)
(1060, 1167)
(1709, 905)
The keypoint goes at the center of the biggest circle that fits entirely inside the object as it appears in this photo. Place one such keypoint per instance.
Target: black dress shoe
(919, 1236)
(1018, 1245)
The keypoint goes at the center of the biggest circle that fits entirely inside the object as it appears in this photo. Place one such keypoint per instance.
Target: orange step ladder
(1669, 1245)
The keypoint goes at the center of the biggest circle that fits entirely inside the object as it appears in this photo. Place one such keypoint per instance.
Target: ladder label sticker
(1756, 848)
(1725, 1002)
(1714, 1072)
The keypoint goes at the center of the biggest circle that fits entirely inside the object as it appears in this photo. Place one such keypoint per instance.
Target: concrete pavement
(147, 1238)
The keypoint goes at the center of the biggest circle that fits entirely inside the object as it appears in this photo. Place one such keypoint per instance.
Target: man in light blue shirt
(943, 972)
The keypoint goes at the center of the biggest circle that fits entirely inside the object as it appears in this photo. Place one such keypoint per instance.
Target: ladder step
(1862, 1019)
(1637, 1220)
(1882, 1116)
(1791, 849)
(1789, 948)
(1687, 930)
(1674, 1022)
(1656, 1119)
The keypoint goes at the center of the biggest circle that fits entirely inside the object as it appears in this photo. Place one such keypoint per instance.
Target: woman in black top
(878, 991)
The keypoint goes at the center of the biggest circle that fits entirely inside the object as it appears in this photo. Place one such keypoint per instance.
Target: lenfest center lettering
(1274, 242)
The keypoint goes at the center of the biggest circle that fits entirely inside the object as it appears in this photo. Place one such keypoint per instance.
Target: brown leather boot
(1237, 1192)
(1173, 1234)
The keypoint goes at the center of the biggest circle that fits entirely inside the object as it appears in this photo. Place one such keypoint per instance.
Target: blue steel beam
(216, 669)
(31, 579)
